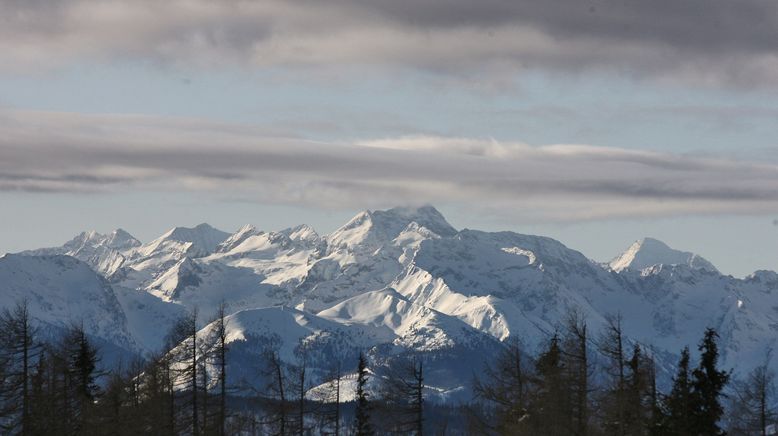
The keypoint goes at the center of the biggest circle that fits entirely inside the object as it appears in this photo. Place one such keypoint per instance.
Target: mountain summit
(388, 283)
(195, 242)
(648, 252)
(370, 229)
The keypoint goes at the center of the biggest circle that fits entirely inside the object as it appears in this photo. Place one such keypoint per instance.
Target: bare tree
(275, 373)
(504, 385)
(403, 393)
(330, 397)
(752, 405)
(611, 345)
(186, 364)
(221, 332)
(17, 351)
(576, 354)
(214, 350)
(301, 385)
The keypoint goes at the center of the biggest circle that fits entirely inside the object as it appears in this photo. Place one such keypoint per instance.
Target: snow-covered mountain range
(388, 282)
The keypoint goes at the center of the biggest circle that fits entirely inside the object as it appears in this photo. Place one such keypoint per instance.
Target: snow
(521, 252)
(649, 252)
(367, 231)
(178, 241)
(400, 321)
(237, 238)
(102, 252)
(389, 282)
(61, 291)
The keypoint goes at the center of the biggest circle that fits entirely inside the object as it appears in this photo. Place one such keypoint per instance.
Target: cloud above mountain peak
(105, 153)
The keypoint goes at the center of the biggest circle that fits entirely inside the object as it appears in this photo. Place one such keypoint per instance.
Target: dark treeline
(555, 393)
(55, 386)
(577, 384)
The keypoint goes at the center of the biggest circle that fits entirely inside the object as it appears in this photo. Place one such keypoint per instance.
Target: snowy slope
(368, 253)
(405, 281)
(145, 265)
(252, 334)
(177, 243)
(401, 322)
(648, 252)
(62, 291)
(675, 303)
(339, 335)
(281, 258)
(504, 283)
(369, 231)
(104, 253)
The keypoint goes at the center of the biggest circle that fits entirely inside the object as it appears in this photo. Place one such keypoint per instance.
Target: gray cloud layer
(700, 41)
(42, 151)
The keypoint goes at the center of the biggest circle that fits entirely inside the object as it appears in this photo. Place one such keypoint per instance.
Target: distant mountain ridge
(393, 282)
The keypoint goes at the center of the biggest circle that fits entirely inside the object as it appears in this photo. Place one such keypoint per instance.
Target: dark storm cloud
(557, 182)
(700, 41)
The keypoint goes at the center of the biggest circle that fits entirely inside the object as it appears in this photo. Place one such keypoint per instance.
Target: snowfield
(390, 283)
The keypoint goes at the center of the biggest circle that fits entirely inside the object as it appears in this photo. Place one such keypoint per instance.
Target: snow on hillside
(253, 333)
(63, 291)
(194, 242)
(237, 238)
(395, 282)
(102, 252)
(400, 321)
(277, 257)
(369, 231)
(648, 252)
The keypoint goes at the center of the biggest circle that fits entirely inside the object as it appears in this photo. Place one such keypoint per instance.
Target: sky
(593, 122)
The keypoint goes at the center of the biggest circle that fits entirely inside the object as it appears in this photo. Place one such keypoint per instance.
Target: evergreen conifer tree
(707, 385)
(363, 424)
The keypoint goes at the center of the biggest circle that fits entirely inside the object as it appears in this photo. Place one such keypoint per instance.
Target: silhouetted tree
(576, 356)
(550, 409)
(638, 406)
(18, 351)
(362, 419)
(301, 385)
(679, 403)
(752, 405)
(185, 364)
(707, 385)
(81, 359)
(504, 386)
(611, 345)
(403, 394)
(276, 389)
(330, 398)
(220, 353)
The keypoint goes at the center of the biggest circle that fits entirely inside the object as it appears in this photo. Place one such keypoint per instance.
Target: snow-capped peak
(237, 238)
(200, 240)
(426, 216)
(104, 253)
(120, 239)
(648, 252)
(302, 232)
(371, 229)
(202, 234)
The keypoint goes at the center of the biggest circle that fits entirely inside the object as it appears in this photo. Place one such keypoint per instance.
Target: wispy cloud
(699, 41)
(44, 151)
